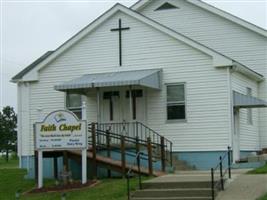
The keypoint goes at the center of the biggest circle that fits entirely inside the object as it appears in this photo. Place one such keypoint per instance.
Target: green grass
(260, 170)
(106, 190)
(263, 197)
(12, 180)
(12, 163)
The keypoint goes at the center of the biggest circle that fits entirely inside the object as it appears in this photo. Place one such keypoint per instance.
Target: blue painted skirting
(48, 170)
(199, 160)
(207, 160)
(27, 162)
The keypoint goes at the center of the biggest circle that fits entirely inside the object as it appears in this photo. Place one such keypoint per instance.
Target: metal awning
(148, 78)
(245, 101)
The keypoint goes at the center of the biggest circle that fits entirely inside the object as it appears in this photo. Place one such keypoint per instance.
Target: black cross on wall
(120, 29)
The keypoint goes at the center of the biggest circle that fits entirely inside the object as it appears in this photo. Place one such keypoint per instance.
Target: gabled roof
(31, 66)
(218, 58)
(142, 3)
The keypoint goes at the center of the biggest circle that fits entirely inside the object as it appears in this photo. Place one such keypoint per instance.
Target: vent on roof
(166, 6)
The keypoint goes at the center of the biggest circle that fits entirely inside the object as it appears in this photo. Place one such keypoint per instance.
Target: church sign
(61, 130)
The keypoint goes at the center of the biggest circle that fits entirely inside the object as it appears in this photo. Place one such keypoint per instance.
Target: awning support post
(84, 117)
(84, 151)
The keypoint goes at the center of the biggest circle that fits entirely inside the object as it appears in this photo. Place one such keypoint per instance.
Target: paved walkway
(244, 187)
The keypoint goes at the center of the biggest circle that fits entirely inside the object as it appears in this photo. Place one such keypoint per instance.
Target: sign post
(61, 130)
(40, 169)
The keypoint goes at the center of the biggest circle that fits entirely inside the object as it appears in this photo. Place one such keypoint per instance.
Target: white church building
(196, 75)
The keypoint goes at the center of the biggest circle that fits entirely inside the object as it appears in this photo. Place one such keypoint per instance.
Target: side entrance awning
(245, 101)
(150, 78)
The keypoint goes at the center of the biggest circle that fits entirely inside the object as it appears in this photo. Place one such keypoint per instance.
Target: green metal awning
(150, 78)
(245, 101)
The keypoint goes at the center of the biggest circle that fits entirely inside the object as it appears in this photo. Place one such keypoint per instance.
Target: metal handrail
(100, 139)
(130, 139)
(222, 173)
(141, 131)
(128, 174)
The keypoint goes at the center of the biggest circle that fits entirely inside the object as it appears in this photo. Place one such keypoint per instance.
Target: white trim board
(219, 60)
(142, 3)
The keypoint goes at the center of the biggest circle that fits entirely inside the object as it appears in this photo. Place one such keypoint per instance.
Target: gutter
(237, 67)
(242, 69)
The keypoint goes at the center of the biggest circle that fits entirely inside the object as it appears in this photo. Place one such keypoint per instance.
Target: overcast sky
(30, 28)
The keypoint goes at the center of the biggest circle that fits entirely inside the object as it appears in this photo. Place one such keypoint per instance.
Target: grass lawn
(12, 163)
(260, 170)
(263, 198)
(12, 179)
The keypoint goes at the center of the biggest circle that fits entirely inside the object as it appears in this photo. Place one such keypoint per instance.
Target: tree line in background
(8, 131)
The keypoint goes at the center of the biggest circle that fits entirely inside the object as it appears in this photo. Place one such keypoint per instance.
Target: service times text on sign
(61, 130)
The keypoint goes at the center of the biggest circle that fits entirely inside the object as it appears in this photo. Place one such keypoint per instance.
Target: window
(249, 110)
(176, 102)
(74, 104)
(135, 93)
(166, 6)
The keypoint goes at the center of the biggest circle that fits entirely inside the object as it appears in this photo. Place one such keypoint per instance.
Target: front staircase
(190, 185)
(176, 187)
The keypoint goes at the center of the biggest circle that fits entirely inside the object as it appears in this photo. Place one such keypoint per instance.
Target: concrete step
(184, 192)
(174, 185)
(172, 198)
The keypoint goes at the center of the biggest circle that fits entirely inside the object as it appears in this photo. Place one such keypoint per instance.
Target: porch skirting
(206, 160)
(197, 160)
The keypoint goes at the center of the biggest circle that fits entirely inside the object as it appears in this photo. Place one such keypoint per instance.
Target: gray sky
(30, 28)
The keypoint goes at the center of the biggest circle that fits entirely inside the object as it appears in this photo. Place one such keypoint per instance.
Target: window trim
(185, 103)
(72, 109)
(161, 7)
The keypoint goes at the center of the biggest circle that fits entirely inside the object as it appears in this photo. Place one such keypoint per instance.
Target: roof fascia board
(142, 3)
(242, 69)
(78, 36)
(229, 16)
(218, 59)
(237, 67)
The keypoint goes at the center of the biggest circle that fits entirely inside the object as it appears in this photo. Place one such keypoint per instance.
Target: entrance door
(236, 137)
(111, 106)
(116, 106)
(134, 107)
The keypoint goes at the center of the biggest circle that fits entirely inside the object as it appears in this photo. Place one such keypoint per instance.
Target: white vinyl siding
(145, 48)
(249, 133)
(222, 35)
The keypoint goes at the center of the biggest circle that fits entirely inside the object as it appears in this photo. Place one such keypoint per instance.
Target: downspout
(98, 104)
(19, 133)
(230, 103)
(29, 132)
(258, 118)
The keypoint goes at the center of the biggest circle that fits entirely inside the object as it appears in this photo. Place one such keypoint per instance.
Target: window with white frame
(249, 110)
(74, 104)
(176, 101)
